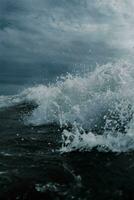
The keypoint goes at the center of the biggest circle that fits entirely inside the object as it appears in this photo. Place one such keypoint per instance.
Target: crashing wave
(96, 108)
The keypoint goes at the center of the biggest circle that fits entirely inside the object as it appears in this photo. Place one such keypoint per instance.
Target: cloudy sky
(41, 39)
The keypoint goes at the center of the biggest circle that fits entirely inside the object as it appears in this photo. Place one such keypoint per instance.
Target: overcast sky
(42, 38)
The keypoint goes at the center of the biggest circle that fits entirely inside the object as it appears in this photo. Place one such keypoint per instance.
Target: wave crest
(96, 108)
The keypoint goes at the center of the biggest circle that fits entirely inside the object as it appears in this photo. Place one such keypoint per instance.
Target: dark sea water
(32, 168)
(66, 100)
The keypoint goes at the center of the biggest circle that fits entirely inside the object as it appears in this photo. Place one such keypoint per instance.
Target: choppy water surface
(70, 140)
(67, 104)
(32, 167)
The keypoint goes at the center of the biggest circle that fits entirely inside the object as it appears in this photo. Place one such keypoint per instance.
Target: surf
(94, 110)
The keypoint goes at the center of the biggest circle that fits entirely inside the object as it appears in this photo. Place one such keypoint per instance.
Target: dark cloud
(38, 37)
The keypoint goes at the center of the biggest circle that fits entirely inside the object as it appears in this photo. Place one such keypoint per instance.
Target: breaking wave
(94, 110)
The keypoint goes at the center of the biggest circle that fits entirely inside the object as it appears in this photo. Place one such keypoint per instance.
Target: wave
(94, 110)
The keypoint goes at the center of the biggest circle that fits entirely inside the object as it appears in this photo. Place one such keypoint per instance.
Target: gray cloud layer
(47, 37)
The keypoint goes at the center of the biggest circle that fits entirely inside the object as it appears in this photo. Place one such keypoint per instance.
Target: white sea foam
(87, 99)
(99, 107)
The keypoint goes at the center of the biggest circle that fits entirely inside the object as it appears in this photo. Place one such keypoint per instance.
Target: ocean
(66, 100)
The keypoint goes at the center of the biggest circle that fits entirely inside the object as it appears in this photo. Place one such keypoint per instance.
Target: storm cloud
(45, 38)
